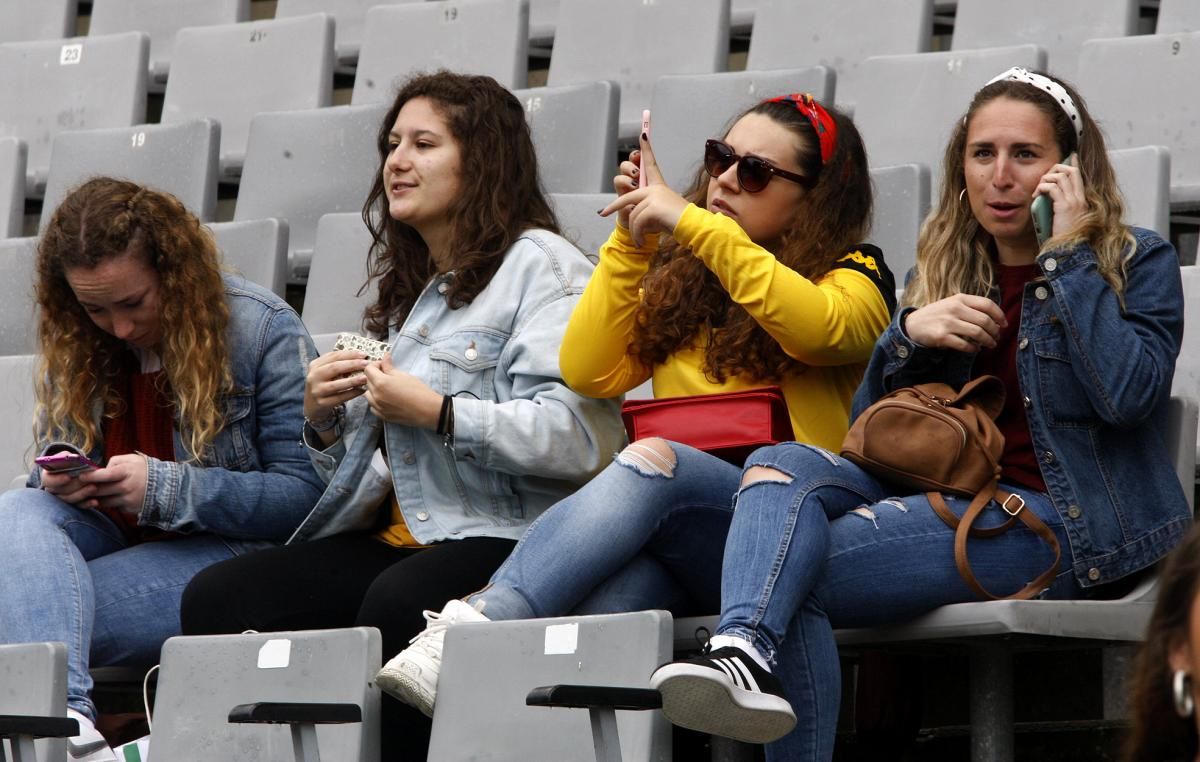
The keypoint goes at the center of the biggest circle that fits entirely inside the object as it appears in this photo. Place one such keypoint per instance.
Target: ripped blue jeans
(819, 544)
(645, 533)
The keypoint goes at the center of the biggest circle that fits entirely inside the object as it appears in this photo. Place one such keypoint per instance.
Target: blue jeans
(69, 575)
(830, 546)
(632, 538)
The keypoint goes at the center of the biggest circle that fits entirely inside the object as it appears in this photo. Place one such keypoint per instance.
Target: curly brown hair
(100, 220)
(501, 196)
(683, 302)
(1159, 733)
(954, 251)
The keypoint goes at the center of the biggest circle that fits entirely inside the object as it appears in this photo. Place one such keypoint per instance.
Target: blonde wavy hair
(953, 250)
(79, 363)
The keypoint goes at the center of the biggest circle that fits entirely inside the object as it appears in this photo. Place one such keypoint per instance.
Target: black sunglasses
(753, 173)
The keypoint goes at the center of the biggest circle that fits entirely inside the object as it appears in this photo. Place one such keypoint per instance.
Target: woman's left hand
(121, 484)
(1064, 185)
(399, 397)
(653, 208)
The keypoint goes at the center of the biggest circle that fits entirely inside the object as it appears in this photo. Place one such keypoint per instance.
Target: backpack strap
(1014, 506)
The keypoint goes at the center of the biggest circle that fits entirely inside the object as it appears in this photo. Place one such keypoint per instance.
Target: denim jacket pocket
(233, 448)
(486, 492)
(466, 363)
(1064, 402)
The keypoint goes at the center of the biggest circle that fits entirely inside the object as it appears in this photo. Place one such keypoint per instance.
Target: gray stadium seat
(203, 677)
(688, 109)
(12, 186)
(543, 18)
(348, 16)
(1144, 175)
(470, 36)
(1186, 383)
(161, 19)
(792, 33)
(339, 269)
(33, 681)
(233, 71)
(257, 249)
(901, 203)
(18, 319)
(1058, 26)
(303, 164)
(489, 667)
(1154, 67)
(992, 631)
(936, 86)
(741, 16)
(80, 83)
(575, 133)
(180, 159)
(41, 20)
(1175, 16)
(17, 403)
(580, 224)
(633, 43)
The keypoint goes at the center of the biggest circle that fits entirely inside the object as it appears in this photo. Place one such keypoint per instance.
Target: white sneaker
(411, 675)
(88, 745)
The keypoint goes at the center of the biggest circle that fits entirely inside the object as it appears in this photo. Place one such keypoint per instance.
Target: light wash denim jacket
(255, 481)
(1095, 380)
(522, 439)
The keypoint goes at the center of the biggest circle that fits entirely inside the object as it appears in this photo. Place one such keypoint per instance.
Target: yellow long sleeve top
(830, 325)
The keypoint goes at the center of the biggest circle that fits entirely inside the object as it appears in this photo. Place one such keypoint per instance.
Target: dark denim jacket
(1095, 381)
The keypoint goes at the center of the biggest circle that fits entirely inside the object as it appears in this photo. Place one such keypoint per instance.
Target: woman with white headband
(1082, 329)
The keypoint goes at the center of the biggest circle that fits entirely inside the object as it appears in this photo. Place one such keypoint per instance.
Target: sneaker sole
(701, 699)
(403, 688)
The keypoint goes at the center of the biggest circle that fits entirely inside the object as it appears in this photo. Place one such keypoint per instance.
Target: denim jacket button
(902, 352)
(1048, 457)
(471, 353)
(1093, 574)
(422, 516)
(1041, 292)
(1026, 401)
(409, 457)
(1024, 342)
(423, 331)
(1074, 511)
(1050, 265)
(443, 287)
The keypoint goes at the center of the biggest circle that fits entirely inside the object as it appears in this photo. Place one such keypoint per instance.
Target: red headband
(822, 123)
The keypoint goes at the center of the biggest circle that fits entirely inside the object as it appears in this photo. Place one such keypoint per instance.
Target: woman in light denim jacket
(1083, 329)
(439, 455)
(188, 388)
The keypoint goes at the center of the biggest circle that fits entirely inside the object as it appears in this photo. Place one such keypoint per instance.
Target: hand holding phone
(1042, 211)
(66, 462)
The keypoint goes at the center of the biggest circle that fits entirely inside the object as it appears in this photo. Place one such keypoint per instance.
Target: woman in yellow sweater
(760, 279)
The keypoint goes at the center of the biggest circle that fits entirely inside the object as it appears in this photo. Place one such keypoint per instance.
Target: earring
(961, 194)
(1181, 692)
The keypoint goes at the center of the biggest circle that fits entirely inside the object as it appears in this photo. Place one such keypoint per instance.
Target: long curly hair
(79, 363)
(1158, 733)
(501, 196)
(953, 249)
(684, 304)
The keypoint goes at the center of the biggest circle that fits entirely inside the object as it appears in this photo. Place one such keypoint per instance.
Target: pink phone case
(65, 462)
(645, 131)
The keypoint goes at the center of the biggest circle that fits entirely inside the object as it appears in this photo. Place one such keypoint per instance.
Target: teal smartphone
(1042, 211)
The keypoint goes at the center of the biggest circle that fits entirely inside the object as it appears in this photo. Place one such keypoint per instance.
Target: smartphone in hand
(66, 462)
(641, 162)
(1042, 211)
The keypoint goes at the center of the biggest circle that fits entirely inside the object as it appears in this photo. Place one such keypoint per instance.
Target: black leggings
(345, 581)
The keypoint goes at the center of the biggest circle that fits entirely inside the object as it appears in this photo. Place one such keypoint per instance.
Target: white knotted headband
(1052, 88)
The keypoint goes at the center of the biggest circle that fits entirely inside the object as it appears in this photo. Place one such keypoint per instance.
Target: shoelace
(436, 626)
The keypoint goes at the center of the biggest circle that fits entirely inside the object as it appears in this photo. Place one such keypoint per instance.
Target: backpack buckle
(1013, 511)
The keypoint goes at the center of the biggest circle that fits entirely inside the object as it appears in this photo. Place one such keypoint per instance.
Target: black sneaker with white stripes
(725, 693)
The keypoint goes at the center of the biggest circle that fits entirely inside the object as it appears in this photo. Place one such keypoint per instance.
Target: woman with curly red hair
(186, 386)
(755, 276)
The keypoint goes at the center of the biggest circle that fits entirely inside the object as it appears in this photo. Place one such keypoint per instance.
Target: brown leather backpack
(936, 439)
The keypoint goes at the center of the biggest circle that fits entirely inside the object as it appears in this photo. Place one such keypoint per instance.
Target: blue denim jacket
(522, 439)
(1095, 381)
(255, 481)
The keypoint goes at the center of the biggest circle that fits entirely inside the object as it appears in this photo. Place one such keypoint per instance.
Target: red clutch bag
(729, 425)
